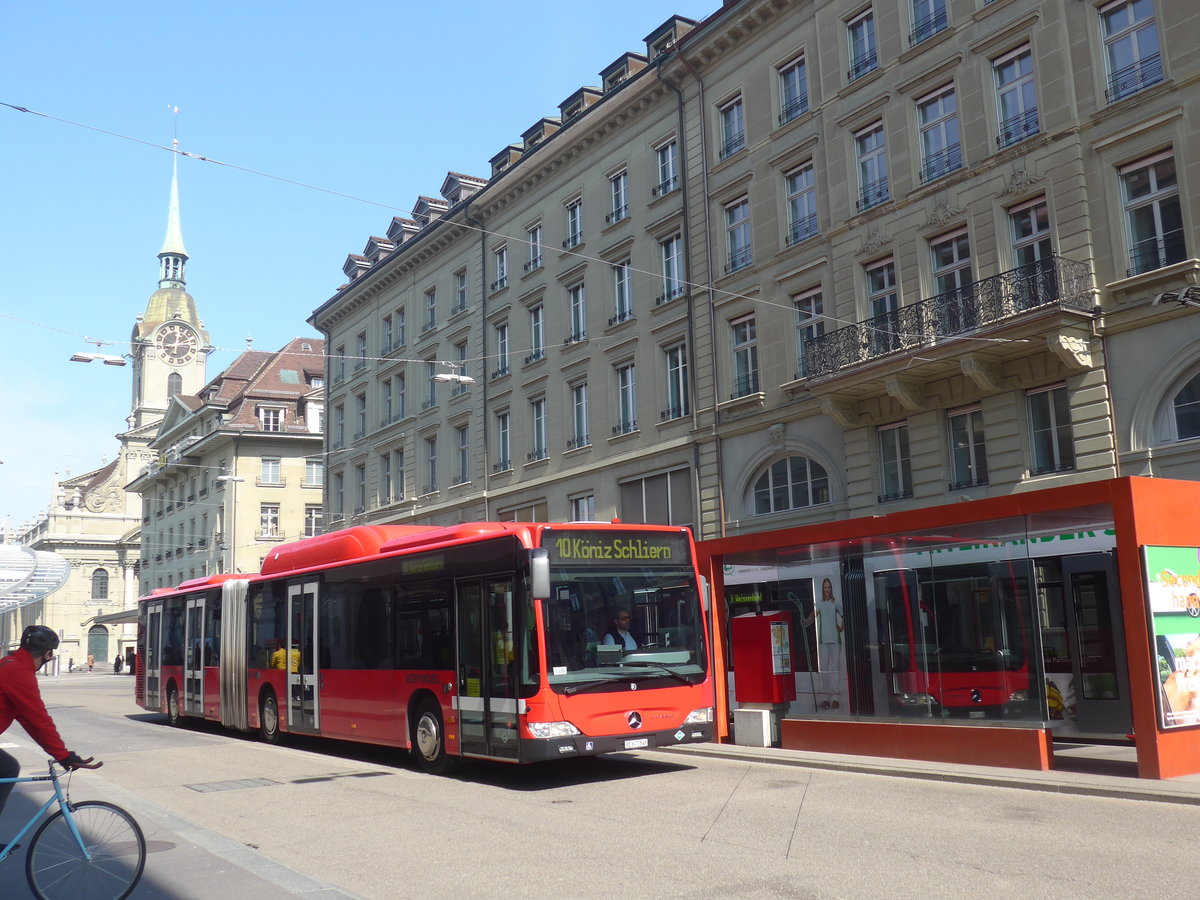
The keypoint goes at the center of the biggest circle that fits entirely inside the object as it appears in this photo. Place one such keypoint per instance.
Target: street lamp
(102, 357)
(231, 518)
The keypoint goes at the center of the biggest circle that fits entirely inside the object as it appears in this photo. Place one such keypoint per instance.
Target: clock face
(176, 344)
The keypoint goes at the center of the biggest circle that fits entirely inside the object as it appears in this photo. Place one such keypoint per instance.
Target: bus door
(302, 678)
(487, 660)
(1096, 640)
(152, 663)
(193, 657)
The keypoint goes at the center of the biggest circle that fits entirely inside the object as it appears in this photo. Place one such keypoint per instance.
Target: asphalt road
(226, 816)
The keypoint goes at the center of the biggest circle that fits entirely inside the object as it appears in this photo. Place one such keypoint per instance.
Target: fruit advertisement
(1173, 590)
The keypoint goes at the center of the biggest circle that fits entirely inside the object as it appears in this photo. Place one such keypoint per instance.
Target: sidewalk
(1090, 769)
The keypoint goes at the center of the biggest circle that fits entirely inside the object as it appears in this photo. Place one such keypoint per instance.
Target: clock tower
(170, 346)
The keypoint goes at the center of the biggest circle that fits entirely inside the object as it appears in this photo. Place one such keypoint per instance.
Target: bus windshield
(629, 618)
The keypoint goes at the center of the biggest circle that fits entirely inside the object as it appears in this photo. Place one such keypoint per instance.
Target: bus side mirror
(705, 595)
(539, 573)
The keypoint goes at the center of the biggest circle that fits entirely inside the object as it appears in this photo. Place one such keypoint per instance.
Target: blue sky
(372, 100)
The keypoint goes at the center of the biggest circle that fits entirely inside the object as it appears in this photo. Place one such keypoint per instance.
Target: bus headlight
(915, 699)
(551, 729)
(699, 716)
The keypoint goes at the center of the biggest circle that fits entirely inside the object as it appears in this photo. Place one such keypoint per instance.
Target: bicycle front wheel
(56, 867)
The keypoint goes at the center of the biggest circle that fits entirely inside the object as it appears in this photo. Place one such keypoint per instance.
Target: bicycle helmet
(38, 639)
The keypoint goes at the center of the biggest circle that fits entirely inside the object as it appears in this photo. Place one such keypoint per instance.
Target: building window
(793, 483)
(737, 235)
(360, 356)
(664, 499)
(537, 334)
(431, 472)
(733, 128)
(500, 262)
(1130, 47)
(338, 497)
(1152, 214)
(462, 464)
(339, 426)
(671, 256)
(430, 310)
(574, 224)
(386, 413)
(668, 168)
(1034, 284)
(793, 90)
(535, 248)
(954, 304)
(537, 419)
(941, 151)
(460, 354)
(579, 417)
(626, 400)
(100, 584)
(895, 467)
(801, 192)
(270, 471)
(871, 155)
(968, 459)
(460, 290)
(929, 17)
(577, 302)
(271, 419)
(745, 357)
(314, 473)
(810, 325)
(401, 395)
(385, 479)
(339, 364)
(678, 391)
(583, 509)
(882, 299)
(501, 351)
(398, 474)
(386, 344)
(313, 520)
(268, 520)
(622, 292)
(401, 330)
(360, 489)
(860, 32)
(1051, 437)
(360, 406)
(1186, 406)
(1016, 97)
(619, 191)
(503, 443)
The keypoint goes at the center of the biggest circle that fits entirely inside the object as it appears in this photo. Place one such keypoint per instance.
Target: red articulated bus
(493, 640)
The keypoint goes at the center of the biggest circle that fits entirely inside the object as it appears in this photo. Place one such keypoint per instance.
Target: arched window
(174, 384)
(1187, 410)
(791, 483)
(100, 584)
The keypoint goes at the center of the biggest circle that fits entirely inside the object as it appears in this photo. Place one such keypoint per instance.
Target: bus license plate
(635, 743)
(976, 714)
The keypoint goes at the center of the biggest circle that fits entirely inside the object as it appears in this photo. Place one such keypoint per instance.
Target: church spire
(172, 257)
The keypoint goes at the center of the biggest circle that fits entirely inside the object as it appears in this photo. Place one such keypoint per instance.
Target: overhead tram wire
(467, 226)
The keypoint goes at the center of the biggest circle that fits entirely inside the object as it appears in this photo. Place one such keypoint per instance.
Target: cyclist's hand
(73, 761)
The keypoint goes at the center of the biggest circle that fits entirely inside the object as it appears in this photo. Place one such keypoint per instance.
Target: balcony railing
(935, 165)
(1018, 128)
(1156, 252)
(1050, 282)
(576, 443)
(739, 258)
(797, 106)
(802, 229)
(873, 194)
(733, 143)
(665, 186)
(744, 385)
(670, 294)
(862, 64)
(621, 315)
(1131, 79)
(504, 465)
(537, 454)
(927, 28)
(628, 426)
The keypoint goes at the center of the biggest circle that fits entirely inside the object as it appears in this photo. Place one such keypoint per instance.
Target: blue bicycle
(90, 849)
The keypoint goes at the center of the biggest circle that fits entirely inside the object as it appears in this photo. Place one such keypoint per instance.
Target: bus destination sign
(609, 546)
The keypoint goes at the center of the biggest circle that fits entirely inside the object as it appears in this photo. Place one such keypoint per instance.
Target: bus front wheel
(429, 739)
(268, 717)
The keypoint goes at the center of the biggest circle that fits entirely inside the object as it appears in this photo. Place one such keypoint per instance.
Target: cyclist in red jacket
(21, 699)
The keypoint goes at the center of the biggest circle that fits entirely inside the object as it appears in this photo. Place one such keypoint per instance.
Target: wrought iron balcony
(873, 194)
(802, 229)
(665, 186)
(1047, 283)
(865, 62)
(927, 28)
(733, 143)
(935, 165)
(1156, 252)
(1131, 79)
(793, 108)
(1017, 128)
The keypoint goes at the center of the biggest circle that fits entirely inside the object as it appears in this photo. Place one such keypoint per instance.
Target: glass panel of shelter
(977, 624)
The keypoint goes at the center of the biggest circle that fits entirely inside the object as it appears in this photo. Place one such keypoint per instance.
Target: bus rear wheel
(429, 739)
(174, 717)
(268, 717)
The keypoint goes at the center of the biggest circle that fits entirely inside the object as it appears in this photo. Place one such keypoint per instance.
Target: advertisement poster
(781, 649)
(1173, 589)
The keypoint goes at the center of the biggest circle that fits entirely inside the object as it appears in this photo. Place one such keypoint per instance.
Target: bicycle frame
(60, 797)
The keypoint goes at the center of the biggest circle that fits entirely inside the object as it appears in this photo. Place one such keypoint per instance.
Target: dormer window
(270, 418)
(615, 79)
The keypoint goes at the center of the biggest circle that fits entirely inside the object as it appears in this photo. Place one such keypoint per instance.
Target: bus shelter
(976, 632)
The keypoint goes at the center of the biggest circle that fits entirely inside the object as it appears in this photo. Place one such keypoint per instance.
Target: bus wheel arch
(428, 735)
(268, 716)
